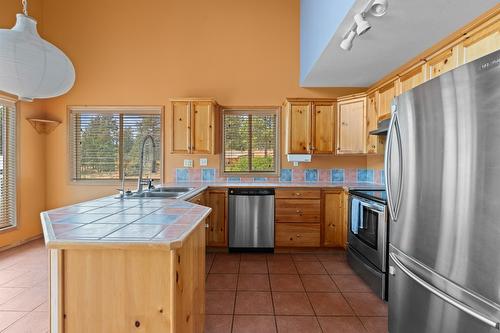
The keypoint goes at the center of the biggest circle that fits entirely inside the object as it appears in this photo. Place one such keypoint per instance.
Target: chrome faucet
(140, 182)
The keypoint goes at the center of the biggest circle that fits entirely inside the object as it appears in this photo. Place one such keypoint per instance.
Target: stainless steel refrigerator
(442, 167)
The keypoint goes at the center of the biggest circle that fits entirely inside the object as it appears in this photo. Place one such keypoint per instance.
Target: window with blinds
(250, 141)
(8, 167)
(106, 142)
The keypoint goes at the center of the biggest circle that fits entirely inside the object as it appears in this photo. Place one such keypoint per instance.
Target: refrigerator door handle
(448, 299)
(393, 128)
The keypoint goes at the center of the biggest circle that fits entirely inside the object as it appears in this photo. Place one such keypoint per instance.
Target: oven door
(368, 230)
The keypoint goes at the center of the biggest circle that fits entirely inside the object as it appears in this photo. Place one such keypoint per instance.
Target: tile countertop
(147, 222)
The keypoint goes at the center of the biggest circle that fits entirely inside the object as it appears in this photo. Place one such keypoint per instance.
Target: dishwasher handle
(251, 191)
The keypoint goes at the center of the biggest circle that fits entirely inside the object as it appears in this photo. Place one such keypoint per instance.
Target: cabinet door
(201, 127)
(351, 126)
(180, 127)
(481, 43)
(299, 125)
(332, 219)
(371, 124)
(442, 63)
(385, 97)
(412, 79)
(323, 128)
(217, 221)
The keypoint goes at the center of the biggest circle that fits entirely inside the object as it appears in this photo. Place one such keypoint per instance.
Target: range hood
(382, 127)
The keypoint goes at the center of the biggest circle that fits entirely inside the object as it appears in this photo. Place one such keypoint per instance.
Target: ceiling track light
(360, 25)
(346, 43)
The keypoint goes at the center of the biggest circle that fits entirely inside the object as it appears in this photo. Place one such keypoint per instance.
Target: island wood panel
(297, 234)
(117, 291)
(217, 221)
(181, 136)
(297, 193)
(298, 210)
(201, 127)
(299, 136)
(332, 222)
(189, 302)
(323, 127)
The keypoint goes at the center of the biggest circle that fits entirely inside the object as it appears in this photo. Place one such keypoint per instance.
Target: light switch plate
(203, 162)
(188, 163)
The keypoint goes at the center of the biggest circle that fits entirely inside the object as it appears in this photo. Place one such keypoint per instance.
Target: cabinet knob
(298, 235)
(298, 193)
(299, 212)
(137, 323)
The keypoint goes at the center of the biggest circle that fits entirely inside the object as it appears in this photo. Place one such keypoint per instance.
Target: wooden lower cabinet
(217, 221)
(333, 226)
(118, 289)
(297, 234)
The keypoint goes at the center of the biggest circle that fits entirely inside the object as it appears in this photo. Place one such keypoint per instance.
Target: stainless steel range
(368, 238)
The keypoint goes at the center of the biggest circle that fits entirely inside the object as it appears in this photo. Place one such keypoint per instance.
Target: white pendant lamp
(31, 67)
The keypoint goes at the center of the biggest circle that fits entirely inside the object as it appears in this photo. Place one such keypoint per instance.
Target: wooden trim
(351, 97)
(450, 41)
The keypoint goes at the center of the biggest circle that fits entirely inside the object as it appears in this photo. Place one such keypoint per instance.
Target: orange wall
(143, 53)
(31, 151)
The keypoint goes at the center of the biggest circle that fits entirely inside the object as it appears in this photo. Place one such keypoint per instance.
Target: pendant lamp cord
(25, 7)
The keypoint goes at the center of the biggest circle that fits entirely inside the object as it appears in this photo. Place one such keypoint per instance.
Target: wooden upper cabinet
(180, 127)
(351, 126)
(310, 126)
(193, 126)
(332, 225)
(442, 62)
(202, 123)
(323, 128)
(385, 97)
(481, 42)
(374, 143)
(299, 128)
(411, 79)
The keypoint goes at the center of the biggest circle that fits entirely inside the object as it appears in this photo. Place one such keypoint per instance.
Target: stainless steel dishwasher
(251, 219)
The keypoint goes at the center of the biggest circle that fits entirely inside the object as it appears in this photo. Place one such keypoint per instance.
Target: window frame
(255, 110)
(160, 109)
(13, 103)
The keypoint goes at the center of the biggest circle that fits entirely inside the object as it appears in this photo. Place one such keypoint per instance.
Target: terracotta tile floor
(289, 292)
(301, 292)
(24, 289)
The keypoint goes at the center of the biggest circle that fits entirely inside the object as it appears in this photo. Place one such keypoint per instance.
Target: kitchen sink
(161, 193)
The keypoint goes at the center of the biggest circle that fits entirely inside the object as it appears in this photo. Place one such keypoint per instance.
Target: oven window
(367, 228)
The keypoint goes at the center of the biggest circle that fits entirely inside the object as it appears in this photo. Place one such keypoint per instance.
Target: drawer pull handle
(298, 211)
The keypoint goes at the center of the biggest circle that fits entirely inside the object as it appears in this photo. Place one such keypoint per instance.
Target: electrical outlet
(188, 163)
(203, 162)
(295, 164)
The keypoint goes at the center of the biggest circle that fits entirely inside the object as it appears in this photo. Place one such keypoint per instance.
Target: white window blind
(250, 141)
(8, 167)
(105, 144)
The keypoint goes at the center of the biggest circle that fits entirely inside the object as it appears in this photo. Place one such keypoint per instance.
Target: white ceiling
(408, 28)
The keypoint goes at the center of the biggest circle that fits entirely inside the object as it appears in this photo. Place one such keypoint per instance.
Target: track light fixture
(346, 43)
(379, 8)
(360, 25)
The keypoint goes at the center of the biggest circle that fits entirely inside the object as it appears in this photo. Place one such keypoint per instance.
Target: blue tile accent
(286, 175)
(234, 179)
(382, 177)
(311, 175)
(208, 174)
(259, 179)
(338, 175)
(364, 175)
(181, 174)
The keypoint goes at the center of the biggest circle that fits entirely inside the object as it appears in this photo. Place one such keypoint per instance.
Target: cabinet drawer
(198, 199)
(297, 194)
(299, 235)
(298, 210)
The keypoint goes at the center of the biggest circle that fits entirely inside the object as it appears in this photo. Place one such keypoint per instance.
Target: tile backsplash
(349, 175)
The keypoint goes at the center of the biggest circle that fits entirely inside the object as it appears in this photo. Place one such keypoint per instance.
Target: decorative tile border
(335, 175)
